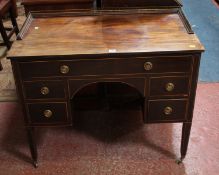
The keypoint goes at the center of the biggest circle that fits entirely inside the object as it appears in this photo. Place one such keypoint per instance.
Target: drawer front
(105, 66)
(167, 110)
(169, 86)
(47, 113)
(44, 90)
(123, 3)
(137, 3)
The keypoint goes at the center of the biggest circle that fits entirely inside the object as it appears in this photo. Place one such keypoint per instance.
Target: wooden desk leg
(32, 145)
(185, 140)
(1, 66)
(98, 4)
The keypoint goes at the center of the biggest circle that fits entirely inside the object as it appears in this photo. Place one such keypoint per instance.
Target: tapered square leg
(1, 66)
(32, 145)
(185, 140)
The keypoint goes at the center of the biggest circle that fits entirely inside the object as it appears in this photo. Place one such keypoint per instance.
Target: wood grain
(132, 33)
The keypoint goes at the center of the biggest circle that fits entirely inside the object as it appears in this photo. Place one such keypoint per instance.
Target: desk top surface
(105, 33)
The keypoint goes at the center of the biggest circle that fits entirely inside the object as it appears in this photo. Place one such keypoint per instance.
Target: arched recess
(107, 90)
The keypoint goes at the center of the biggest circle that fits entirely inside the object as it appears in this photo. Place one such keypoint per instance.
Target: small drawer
(178, 86)
(108, 66)
(44, 90)
(47, 113)
(167, 110)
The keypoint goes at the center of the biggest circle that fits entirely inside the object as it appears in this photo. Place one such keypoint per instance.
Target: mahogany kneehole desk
(153, 51)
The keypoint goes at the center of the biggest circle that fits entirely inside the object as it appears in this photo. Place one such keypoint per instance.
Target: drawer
(133, 4)
(105, 66)
(169, 86)
(167, 110)
(47, 113)
(44, 90)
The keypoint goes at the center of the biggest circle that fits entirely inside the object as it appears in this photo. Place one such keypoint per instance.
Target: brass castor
(180, 160)
(35, 164)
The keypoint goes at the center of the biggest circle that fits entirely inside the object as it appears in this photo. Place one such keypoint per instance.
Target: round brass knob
(168, 110)
(170, 87)
(44, 90)
(64, 69)
(47, 113)
(148, 66)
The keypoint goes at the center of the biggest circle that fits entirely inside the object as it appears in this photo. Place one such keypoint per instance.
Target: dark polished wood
(139, 3)
(39, 115)
(151, 52)
(47, 5)
(54, 89)
(32, 145)
(169, 86)
(185, 140)
(1, 67)
(110, 31)
(157, 113)
(88, 67)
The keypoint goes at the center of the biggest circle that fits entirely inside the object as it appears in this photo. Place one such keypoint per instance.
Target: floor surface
(115, 143)
(203, 16)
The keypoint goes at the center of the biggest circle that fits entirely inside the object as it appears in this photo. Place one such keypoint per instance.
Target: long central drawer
(107, 66)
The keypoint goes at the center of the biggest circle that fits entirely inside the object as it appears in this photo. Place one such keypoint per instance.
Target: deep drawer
(105, 66)
(167, 110)
(47, 113)
(169, 86)
(44, 89)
